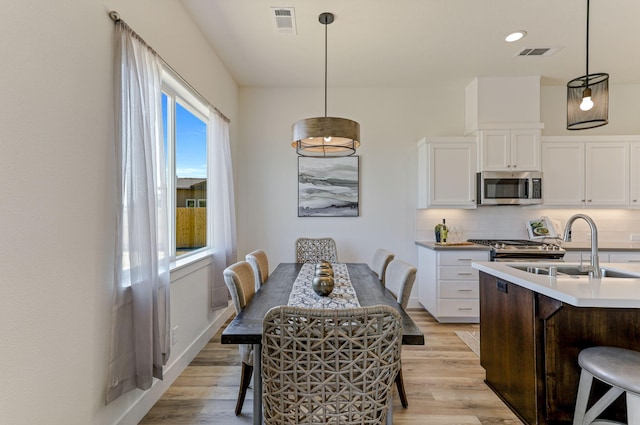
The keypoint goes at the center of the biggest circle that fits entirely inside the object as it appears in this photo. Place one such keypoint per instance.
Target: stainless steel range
(521, 250)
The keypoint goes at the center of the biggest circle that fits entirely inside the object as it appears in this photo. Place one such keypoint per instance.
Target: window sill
(188, 264)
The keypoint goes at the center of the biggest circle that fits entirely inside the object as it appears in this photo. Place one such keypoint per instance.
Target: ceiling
(420, 43)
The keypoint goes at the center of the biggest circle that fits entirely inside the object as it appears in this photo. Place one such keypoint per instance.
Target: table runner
(342, 296)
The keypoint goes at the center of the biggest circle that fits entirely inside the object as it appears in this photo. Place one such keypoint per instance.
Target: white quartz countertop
(602, 246)
(579, 291)
(452, 246)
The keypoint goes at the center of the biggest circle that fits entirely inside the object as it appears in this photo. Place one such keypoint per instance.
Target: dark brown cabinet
(529, 346)
(508, 343)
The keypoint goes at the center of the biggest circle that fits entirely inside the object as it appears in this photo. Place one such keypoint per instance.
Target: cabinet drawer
(459, 289)
(624, 257)
(458, 308)
(458, 273)
(461, 258)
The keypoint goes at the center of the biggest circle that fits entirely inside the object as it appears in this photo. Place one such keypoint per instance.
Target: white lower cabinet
(603, 256)
(634, 169)
(624, 257)
(448, 286)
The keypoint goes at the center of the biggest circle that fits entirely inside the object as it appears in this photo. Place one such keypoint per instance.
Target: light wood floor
(443, 380)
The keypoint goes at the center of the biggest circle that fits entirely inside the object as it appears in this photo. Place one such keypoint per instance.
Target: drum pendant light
(325, 136)
(588, 97)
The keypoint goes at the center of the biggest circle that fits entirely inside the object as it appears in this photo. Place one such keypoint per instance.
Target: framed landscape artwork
(328, 187)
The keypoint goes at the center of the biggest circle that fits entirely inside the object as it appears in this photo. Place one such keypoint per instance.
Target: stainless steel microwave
(509, 188)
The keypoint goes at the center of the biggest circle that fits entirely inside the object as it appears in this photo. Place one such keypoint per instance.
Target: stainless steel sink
(562, 270)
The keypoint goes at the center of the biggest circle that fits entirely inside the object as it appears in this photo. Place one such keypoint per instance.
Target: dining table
(279, 289)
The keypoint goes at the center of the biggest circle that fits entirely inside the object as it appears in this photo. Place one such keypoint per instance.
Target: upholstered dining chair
(329, 365)
(381, 259)
(401, 275)
(260, 265)
(312, 250)
(239, 278)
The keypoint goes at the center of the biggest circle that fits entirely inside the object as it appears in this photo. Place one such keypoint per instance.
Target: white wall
(57, 209)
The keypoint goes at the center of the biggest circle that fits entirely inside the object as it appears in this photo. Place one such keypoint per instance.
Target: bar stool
(617, 367)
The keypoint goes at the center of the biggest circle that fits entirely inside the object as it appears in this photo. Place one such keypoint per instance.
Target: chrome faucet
(594, 267)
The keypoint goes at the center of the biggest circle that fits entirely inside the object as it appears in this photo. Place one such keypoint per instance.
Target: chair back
(401, 275)
(260, 265)
(381, 259)
(241, 284)
(329, 365)
(312, 250)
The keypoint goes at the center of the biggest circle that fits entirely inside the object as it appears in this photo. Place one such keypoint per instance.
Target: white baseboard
(142, 406)
(414, 304)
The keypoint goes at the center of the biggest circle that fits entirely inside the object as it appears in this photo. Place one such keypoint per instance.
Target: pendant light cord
(325, 68)
(587, 74)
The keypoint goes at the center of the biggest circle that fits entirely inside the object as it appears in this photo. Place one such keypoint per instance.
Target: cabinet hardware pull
(633, 261)
(465, 290)
(465, 308)
(464, 259)
(464, 274)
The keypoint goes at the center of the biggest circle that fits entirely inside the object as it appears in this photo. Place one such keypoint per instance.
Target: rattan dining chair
(239, 279)
(313, 250)
(329, 365)
(401, 275)
(260, 265)
(381, 259)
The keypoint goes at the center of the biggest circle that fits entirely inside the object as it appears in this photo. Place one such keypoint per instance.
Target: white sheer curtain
(140, 317)
(222, 214)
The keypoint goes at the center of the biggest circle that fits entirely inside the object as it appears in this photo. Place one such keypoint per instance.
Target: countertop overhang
(578, 291)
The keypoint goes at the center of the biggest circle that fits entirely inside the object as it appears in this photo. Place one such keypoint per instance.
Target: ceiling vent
(538, 51)
(284, 19)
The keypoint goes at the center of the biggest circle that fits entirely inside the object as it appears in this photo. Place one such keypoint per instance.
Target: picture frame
(329, 187)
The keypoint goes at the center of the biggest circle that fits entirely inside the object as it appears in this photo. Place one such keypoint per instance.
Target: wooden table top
(246, 327)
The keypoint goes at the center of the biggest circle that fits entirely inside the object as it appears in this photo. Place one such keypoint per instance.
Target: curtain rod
(115, 17)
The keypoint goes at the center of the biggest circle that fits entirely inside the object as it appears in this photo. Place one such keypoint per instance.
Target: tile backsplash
(508, 222)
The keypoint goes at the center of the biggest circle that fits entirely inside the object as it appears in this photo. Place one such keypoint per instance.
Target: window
(185, 142)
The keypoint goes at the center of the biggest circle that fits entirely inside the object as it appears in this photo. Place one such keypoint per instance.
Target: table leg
(390, 413)
(257, 384)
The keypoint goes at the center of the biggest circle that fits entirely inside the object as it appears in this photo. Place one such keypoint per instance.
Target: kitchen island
(533, 326)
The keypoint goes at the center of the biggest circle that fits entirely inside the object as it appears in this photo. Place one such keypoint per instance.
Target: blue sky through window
(191, 141)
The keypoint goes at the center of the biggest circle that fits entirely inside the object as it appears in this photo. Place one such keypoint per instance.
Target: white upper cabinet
(563, 173)
(607, 174)
(587, 173)
(634, 170)
(447, 172)
(510, 149)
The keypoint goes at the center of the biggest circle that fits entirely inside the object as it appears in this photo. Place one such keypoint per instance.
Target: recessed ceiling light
(515, 36)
